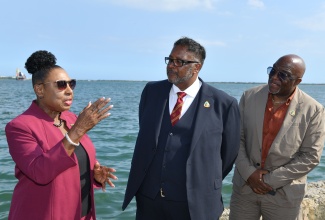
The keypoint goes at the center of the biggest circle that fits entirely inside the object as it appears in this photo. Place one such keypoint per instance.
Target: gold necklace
(280, 102)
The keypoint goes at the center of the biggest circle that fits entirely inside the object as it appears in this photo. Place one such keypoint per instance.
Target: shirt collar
(191, 91)
(288, 99)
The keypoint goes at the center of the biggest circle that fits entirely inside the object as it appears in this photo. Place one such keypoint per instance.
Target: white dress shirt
(191, 92)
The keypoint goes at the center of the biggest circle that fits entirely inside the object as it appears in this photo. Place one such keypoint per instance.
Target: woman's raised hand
(90, 116)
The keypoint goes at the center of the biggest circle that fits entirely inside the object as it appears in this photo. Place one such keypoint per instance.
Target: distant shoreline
(14, 78)
(7, 77)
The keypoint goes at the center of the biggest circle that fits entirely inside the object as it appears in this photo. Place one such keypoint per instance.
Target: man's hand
(256, 182)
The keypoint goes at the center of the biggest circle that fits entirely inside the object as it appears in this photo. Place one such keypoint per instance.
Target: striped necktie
(176, 113)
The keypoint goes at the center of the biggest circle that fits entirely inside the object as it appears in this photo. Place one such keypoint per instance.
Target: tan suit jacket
(295, 151)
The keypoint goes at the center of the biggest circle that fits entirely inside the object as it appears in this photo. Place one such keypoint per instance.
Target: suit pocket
(237, 179)
(217, 184)
(292, 140)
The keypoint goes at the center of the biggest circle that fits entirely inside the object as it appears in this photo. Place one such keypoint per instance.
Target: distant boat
(20, 75)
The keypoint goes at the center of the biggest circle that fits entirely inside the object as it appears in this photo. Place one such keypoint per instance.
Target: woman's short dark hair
(192, 46)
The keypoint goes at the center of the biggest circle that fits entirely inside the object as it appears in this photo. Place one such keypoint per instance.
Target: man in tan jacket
(282, 138)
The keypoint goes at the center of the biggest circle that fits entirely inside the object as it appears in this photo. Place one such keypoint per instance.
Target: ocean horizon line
(122, 80)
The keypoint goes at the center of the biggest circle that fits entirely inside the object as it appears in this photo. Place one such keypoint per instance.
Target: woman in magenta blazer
(55, 159)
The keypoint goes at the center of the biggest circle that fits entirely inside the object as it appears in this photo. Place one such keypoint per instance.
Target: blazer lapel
(291, 115)
(205, 98)
(159, 108)
(260, 104)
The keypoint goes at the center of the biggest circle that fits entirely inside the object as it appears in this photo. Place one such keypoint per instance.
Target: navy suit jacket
(213, 150)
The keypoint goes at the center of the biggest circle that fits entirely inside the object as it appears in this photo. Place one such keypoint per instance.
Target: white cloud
(299, 44)
(315, 22)
(164, 5)
(256, 4)
(212, 43)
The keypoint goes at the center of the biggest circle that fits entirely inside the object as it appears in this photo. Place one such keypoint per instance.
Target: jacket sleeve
(142, 103)
(230, 138)
(243, 165)
(40, 165)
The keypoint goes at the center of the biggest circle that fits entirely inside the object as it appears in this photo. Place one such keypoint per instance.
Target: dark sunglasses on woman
(62, 84)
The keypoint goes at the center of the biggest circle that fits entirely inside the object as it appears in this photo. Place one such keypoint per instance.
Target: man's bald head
(293, 62)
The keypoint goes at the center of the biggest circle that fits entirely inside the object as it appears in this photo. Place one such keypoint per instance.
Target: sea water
(114, 137)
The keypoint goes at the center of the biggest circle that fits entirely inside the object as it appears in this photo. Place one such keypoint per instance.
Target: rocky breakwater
(312, 206)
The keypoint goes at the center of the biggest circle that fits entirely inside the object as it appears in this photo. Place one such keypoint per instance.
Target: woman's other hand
(103, 175)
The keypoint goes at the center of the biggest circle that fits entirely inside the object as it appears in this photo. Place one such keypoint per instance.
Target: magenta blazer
(48, 178)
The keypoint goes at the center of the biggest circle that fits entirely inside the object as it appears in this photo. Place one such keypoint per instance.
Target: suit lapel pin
(206, 104)
(292, 113)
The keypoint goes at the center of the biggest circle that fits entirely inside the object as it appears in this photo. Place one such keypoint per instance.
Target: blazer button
(171, 134)
(258, 164)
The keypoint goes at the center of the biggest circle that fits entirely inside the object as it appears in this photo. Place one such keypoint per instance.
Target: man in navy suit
(178, 167)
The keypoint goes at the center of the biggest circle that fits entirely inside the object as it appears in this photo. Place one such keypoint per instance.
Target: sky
(128, 39)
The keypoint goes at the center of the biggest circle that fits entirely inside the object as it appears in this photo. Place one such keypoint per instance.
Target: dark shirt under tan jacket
(294, 152)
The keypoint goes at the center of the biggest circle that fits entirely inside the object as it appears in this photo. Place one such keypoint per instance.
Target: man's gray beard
(273, 93)
(181, 80)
